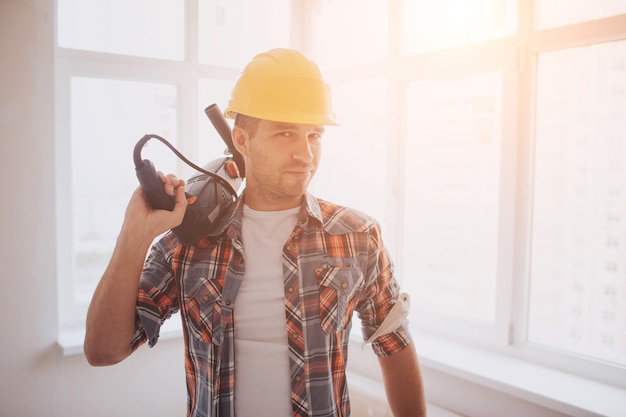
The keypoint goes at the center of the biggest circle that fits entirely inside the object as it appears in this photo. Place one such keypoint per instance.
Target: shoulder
(341, 219)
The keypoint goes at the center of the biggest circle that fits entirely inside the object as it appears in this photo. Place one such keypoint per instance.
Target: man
(266, 300)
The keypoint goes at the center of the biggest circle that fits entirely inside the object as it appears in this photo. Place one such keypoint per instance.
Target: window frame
(459, 61)
(604, 30)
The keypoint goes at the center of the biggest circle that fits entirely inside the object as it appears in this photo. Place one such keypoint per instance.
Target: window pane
(353, 168)
(107, 118)
(147, 28)
(578, 262)
(433, 24)
(233, 31)
(565, 12)
(364, 40)
(451, 192)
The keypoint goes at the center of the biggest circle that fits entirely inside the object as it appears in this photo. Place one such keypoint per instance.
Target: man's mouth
(299, 172)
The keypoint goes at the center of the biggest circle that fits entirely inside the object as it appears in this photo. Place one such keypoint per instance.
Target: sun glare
(430, 25)
(459, 17)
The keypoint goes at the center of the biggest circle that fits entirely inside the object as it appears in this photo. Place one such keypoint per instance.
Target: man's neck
(259, 202)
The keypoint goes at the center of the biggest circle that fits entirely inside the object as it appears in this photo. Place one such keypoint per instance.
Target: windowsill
(547, 387)
(71, 341)
(550, 388)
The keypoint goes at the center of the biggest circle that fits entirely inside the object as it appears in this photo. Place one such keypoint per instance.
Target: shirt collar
(310, 216)
(310, 213)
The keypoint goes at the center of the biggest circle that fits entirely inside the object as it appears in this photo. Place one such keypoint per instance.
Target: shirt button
(205, 298)
(344, 285)
(290, 290)
(298, 378)
(294, 336)
(227, 302)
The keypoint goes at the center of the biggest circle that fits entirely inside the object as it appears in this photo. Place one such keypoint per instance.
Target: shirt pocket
(202, 305)
(339, 287)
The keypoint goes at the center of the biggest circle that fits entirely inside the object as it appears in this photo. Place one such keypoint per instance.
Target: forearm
(111, 315)
(403, 383)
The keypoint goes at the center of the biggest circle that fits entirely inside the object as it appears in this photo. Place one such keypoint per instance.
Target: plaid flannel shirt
(334, 264)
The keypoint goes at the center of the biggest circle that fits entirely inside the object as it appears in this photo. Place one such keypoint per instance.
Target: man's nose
(302, 149)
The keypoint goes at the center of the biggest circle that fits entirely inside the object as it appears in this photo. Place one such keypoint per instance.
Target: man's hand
(143, 221)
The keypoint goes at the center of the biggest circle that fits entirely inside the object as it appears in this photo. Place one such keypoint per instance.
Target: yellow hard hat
(282, 85)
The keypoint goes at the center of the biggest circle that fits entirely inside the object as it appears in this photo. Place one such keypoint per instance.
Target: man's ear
(240, 140)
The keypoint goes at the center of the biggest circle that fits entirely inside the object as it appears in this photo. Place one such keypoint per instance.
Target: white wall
(35, 378)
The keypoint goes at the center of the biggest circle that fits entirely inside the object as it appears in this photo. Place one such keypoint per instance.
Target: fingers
(170, 183)
(180, 200)
(142, 219)
(175, 187)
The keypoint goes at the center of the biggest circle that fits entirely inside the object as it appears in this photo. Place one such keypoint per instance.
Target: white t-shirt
(262, 380)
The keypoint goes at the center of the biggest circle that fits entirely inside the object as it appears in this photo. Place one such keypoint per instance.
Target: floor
(368, 400)
(367, 409)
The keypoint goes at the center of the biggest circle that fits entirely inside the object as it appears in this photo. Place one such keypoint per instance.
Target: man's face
(281, 159)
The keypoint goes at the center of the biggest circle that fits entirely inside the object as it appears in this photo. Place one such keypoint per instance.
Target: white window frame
(598, 31)
(71, 63)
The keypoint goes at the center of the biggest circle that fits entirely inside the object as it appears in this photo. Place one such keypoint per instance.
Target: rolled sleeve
(392, 343)
(139, 336)
(157, 296)
(382, 294)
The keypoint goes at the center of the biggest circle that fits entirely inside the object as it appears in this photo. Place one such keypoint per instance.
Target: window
(338, 44)
(429, 25)
(486, 136)
(107, 118)
(143, 28)
(451, 195)
(354, 168)
(233, 31)
(578, 267)
(125, 70)
(503, 182)
(554, 13)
